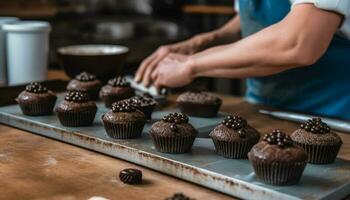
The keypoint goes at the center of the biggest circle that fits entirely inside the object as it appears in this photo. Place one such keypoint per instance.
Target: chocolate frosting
(306, 137)
(74, 106)
(223, 133)
(265, 152)
(162, 128)
(29, 97)
(199, 97)
(76, 85)
(110, 90)
(124, 117)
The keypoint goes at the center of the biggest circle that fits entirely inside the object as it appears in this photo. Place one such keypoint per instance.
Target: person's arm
(300, 39)
(230, 32)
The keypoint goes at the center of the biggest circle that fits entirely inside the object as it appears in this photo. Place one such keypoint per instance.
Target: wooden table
(35, 167)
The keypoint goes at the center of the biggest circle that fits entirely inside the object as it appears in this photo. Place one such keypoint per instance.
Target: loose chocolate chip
(178, 196)
(36, 87)
(77, 96)
(84, 76)
(119, 82)
(130, 176)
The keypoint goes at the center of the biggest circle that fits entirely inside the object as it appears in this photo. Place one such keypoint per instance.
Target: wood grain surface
(35, 167)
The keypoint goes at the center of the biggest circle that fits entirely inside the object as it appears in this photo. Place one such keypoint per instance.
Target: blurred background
(141, 25)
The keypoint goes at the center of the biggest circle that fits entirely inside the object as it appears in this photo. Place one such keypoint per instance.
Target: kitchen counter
(35, 167)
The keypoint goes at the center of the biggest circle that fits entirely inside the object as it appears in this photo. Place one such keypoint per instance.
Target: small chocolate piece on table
(179, 196)
(131, 176)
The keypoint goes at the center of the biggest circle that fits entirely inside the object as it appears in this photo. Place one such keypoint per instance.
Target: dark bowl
(105, 61)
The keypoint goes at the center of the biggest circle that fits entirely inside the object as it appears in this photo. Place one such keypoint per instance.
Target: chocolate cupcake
(276, 160)
(199, 104)
(173, 134)
(144, 103)
(124, 121)
(36, 100)
(117, 89)
(234, 138)
(76, 110)
(131, 176)
(318, 140)
(179, 196)
(85, 82)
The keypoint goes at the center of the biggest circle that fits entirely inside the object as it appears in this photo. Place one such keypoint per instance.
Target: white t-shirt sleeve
(236, 6)
(340, 6)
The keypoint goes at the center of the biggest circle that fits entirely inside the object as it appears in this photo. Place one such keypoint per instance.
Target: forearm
(288, 44)
(229, 33)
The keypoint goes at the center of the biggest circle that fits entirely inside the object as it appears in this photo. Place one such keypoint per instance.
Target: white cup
(27, 51)
(3, 71)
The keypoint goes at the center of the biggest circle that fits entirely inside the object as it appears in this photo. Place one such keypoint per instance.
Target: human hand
(147, 67)
(173, 71)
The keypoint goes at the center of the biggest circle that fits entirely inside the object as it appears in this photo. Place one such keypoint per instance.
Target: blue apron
(321, 89)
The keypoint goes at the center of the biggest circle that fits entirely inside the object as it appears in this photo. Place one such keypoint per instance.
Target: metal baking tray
(201, 166)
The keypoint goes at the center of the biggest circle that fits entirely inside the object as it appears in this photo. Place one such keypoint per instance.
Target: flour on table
(50, 161)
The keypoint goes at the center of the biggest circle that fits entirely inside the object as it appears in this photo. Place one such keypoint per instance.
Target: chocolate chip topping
(315, 125)
(277, 137)
(176, 118)
(77, 96)
(118, 82)
(84, 77)
(199, 97)
(131, 176)
(121, 106)
(174, 128)
(179, 196)
(139, 100)
(146, 94)
(36, 87)
(236, 123)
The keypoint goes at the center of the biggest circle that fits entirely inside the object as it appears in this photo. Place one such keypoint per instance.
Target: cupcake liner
(123, 130)
(320, 154)
(279, 173)
(233, 150)
(38, 108)
(173, 145)
(199, 110)
(78, 118)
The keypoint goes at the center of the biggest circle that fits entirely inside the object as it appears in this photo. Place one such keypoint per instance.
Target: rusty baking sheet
(201, 166)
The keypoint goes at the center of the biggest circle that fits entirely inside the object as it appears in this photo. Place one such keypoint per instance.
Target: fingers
(147, 75)
(158, 86)
(148, 65)
(141, 70)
